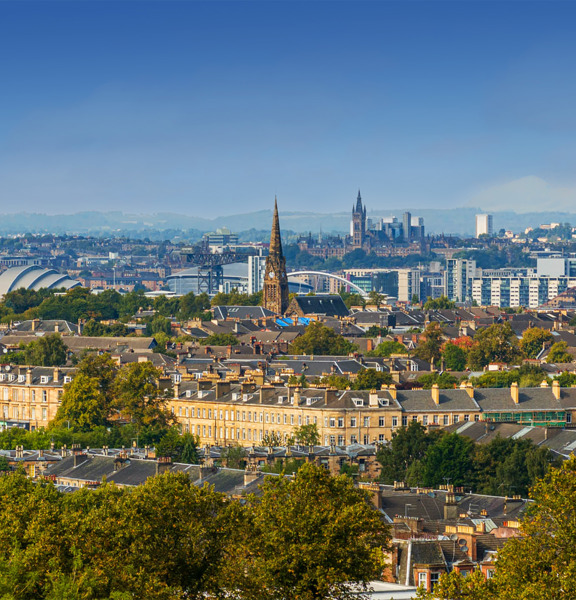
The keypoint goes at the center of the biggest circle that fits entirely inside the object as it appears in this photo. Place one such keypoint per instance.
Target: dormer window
(358, 401)
(67, 379)
(44, 379)
(383, 402)
(188, 393)
(21, 378)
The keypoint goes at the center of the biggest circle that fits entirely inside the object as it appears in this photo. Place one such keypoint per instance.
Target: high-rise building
(275, 296)
(407, 226)
(484, 225)
(408, 284)
(256, 270)
(459, 274)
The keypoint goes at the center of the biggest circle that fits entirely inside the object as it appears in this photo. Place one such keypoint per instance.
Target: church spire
(275, 239)
(275, 289)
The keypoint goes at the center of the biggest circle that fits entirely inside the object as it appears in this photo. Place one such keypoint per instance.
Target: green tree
(340, 382)
(371, 379)
(533, 341)
(456, 586)
(454, 357)
(319, 339)
(4, 465)
(352, 299)
(443, 380)
(307, 435)
(388, 347)
(376, 331)
(408, 445)
(497, 343)
(179, 447)
(84, 405)
(46, 351)
(567, 379)
(137, 397)
(220, 339)
(311, 537)
(559, 353)
(234, 457)
(193, 306)
(541, 563)
(451, 456)
(159, 324)
(438, 303)
(430, 345)
(376, 298)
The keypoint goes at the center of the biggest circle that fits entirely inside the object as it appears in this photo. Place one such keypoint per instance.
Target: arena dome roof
(33, 277)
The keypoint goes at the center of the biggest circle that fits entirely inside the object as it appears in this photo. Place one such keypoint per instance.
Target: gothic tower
(275, 292)
(358, 223)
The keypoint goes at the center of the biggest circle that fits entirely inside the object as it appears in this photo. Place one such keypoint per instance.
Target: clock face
(271, 274)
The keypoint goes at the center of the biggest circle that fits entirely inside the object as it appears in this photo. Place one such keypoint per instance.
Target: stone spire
(359, 203)
(275, 239)
(275, 290)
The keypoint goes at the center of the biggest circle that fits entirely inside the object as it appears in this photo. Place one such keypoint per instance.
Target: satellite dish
(8, 367)
(462, 542)
(453, 537)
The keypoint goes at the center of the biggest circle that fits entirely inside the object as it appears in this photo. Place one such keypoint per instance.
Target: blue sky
(212, 108)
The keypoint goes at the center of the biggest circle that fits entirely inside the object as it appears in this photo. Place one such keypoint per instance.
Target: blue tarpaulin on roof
(287, 322)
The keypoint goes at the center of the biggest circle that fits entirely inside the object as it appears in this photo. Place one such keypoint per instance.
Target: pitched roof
(322, 304)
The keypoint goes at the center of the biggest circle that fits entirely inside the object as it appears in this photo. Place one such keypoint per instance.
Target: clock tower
(275, 291)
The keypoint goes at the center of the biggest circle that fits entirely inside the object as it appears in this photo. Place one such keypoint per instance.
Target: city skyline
(203, 108)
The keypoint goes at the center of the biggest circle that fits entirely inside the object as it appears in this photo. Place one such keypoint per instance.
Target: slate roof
(45, 326)
(322, 304)
(430, 506)
(450, 400)
(241, 312)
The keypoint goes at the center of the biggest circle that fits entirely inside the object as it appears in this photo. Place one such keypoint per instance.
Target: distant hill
(452, 221)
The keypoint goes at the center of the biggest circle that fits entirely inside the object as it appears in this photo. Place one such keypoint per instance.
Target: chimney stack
(222, 388)
(436, 393)
(450, 507)
(251, 474)
(556, 389)
(296, 396)
(393, 391)
(514, 392)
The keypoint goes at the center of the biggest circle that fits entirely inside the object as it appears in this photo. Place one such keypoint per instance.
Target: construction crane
(209, 264)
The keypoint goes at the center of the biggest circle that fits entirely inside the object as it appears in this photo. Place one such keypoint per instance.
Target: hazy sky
(211, 108)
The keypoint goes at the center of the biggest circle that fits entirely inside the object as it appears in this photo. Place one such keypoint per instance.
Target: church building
(275, 290)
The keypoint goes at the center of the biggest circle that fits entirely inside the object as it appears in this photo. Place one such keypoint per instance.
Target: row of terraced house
(248, 410)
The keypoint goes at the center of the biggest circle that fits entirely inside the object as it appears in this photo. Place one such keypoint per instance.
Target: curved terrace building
(33, 277)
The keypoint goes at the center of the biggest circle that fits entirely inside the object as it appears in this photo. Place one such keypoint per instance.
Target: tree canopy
(309, 537)
(319, 339)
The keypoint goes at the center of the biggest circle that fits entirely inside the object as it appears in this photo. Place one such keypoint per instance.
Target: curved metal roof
(33, 277)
